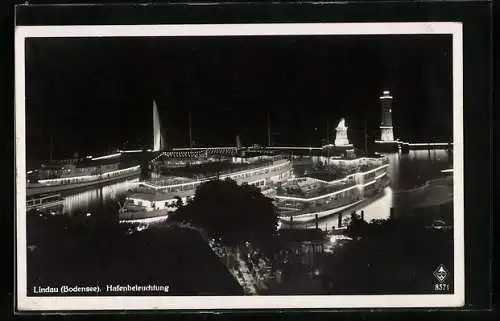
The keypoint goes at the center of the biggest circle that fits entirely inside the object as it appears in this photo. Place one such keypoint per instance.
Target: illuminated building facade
(386, 129)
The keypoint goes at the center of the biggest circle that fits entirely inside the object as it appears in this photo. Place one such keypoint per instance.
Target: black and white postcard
(239, 166)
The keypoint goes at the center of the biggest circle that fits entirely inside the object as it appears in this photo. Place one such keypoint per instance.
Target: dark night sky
(95, 94)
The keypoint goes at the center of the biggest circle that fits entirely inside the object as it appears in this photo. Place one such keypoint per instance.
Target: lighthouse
(386, 132)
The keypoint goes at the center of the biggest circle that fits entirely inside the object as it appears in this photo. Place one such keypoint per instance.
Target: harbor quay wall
(394, 146)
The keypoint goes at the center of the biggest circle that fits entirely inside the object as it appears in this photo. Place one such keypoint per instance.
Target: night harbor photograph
(256, 165)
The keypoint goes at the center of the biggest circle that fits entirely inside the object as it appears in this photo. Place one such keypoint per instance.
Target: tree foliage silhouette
(393, 256)
(234, 213)
(65, 250)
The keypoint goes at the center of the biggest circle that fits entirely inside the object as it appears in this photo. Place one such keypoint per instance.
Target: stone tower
(386, 132)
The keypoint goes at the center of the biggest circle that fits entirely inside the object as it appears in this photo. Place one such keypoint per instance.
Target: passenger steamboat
(155, 199)
(341, 185)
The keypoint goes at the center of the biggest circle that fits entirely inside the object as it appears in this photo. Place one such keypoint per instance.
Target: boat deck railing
(191, 173)
(244, 173)
(134, 207)
(88, 178)
(301, 210)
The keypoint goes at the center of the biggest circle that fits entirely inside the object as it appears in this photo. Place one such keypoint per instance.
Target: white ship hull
(143, 216)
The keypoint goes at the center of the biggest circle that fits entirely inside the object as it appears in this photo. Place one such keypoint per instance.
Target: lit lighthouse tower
(386, 133)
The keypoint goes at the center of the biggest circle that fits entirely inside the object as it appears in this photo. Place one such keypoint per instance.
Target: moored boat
(162, 195)
(319, 194)
(65, 175)
(146, 206)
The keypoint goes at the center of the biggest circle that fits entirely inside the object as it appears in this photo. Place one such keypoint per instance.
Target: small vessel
(146, 207)
(46, 203)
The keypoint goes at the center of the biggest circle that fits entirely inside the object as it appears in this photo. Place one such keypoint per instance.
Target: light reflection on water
(380, 208)
(98, 200)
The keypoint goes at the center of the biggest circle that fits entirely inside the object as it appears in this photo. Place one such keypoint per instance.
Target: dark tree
(234, 213)
(65, 250)
(357, 228)
(394, 256)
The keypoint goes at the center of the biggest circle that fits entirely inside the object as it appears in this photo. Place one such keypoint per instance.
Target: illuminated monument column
(341, 135)
(157, 141)
(386, 133)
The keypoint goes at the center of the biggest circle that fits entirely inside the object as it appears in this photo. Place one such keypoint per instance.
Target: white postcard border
(25, 303)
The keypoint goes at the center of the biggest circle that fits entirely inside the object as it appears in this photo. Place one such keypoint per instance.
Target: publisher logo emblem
(441, 273)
